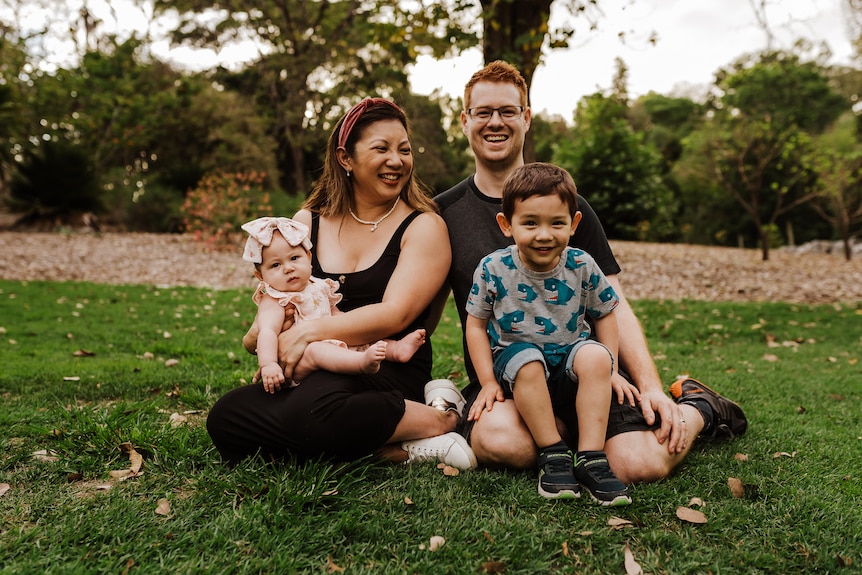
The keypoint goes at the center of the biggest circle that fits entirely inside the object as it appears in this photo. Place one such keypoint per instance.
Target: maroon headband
(353, 116)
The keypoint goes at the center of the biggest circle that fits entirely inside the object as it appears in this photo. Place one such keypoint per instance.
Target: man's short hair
(500, 72)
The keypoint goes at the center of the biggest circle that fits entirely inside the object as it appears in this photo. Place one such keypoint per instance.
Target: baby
(280, 248)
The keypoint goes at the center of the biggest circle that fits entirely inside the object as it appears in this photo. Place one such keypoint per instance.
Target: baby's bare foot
(403, 349)
(375, 353)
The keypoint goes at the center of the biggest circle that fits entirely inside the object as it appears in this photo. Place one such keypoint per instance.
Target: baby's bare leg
(402, 350)
(321, 355)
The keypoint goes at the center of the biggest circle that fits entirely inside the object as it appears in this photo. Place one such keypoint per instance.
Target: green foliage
(68, 515)
(214, 211)
(617, 172)
(54, 179)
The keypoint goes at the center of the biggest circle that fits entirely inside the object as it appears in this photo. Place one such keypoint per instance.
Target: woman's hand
(292, 344)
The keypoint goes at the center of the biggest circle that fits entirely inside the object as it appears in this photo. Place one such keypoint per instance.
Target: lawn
(106, 467)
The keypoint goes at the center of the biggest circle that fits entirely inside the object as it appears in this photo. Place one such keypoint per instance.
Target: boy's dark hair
(539, 179)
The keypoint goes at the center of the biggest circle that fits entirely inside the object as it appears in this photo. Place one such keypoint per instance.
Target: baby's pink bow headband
(260, 235)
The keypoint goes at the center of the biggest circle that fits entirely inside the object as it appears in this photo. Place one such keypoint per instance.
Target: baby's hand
(272, 376)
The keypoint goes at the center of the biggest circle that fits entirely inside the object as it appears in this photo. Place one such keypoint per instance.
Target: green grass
(801, 511)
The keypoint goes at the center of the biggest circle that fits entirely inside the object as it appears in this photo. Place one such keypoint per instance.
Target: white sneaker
(449, 448)
(443, 395)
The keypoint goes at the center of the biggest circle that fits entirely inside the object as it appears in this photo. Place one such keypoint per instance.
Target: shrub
(214, 211)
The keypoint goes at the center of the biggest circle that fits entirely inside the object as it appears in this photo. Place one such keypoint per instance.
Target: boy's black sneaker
(556, 474)
(595, 475)
(728, 419)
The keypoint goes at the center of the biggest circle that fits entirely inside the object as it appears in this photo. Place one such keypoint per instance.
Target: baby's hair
(539, 179)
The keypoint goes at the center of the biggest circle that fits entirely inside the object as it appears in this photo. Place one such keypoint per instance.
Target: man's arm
(635, 359)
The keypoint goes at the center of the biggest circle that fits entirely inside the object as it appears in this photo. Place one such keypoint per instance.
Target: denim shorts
(557, 363)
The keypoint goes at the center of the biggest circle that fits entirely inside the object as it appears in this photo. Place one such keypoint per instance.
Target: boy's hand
(272, 376)
(625, 390)
(490, 393)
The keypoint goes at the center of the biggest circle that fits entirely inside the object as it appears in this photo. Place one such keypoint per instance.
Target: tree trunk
(514, 31)
(848, 248)
(764, 242)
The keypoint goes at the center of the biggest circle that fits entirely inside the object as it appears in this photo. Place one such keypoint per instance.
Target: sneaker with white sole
(442, 394)
(449, 448)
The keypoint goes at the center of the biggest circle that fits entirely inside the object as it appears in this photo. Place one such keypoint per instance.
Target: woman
(375, 232)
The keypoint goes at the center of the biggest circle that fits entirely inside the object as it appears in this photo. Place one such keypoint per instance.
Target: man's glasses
(507, 113)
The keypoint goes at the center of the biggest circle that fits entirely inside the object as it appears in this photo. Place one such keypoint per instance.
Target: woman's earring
(348, 173)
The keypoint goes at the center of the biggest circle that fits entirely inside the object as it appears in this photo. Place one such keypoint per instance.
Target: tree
(839, 168)
(318, 58)
(759, 138)
(618, 173)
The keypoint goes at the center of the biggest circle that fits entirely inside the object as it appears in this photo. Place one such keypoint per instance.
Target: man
(644, 442)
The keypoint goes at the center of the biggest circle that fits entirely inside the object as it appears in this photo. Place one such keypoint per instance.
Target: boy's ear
(576, 219)
(504, 225)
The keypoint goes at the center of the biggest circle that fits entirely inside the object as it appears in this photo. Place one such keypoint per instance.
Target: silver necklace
(377, 223)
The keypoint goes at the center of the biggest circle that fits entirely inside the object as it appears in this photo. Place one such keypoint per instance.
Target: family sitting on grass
(555, 355)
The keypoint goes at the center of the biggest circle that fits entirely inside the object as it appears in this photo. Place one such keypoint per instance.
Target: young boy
(530, 302)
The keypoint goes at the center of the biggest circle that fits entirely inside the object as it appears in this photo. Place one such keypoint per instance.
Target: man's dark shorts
(621, 418)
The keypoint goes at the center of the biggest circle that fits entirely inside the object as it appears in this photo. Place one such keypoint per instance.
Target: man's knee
(500, 439)
(637, 457)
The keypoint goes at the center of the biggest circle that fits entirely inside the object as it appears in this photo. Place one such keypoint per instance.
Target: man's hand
(672, 428)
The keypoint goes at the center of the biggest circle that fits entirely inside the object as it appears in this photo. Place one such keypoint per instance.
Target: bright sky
(695, 39)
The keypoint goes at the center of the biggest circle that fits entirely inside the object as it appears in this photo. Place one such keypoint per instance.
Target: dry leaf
(770, 357)
(632, 566)
(44, 456)
(4, 487)
(450, 471)
(436, 543)
(618, 522)
(565, 548)
(83, 353)
(585, 533)
(163, 507)
(330, 492)
(690, 515)
(331, 567)
(778, 454)
(487, 536)
(736, 488)
(741, 457)
(493, 567)
(800, 410)
(171, 362)
(695, 501)
(408, 501)
(71, 378)
(441, 466)
(176, 420)
(167, 335)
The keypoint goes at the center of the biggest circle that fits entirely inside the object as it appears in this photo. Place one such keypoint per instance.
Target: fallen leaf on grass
(136, 461)
(845, 561)
(83, 353)
(695, 501)
(44, 456)
(585, 533)
(163, 507)
(71, 378)
(493, 567)
(448, 470)
(487, 536)
(4, 487)
(408, 501)
(770, 357)
(800, 410)
(690, 515)
(565, 548)
(736, 488)
(632, 566)
(741, 457)
(618, 522)
(171, 362)
(436, 543)
(778, 454)
(177, 420)
(331, 567)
